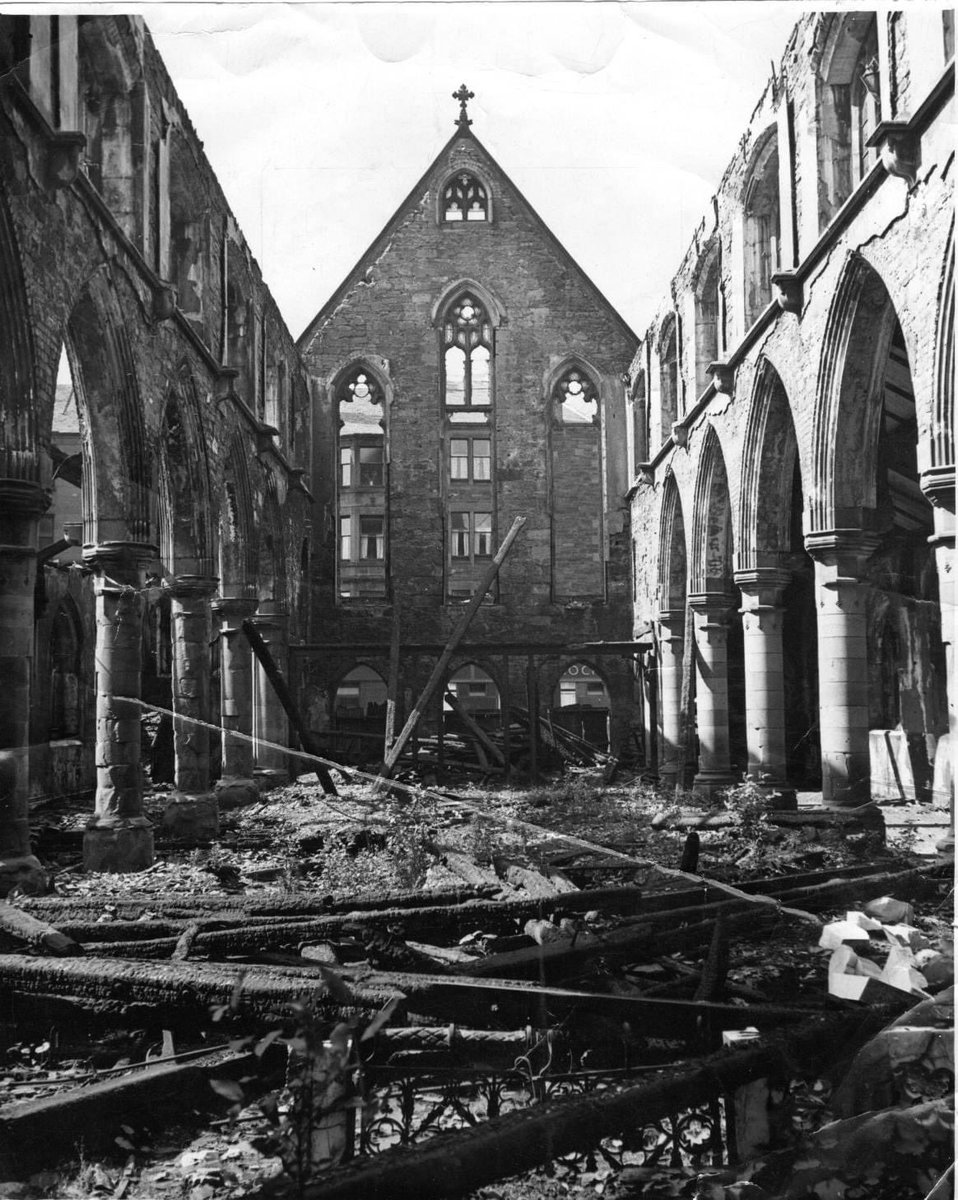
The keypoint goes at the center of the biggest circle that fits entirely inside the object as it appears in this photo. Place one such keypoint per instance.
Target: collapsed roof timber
(471, 530)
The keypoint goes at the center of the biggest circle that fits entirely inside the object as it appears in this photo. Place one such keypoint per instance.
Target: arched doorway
(581, 704)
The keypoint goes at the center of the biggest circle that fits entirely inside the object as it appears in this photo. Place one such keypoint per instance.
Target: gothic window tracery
(465, 199)
(576, 399)
(467, 360)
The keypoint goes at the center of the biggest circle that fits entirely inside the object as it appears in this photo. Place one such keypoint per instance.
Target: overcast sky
(615, 119)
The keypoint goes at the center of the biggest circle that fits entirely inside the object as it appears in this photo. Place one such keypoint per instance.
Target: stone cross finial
(463, 95)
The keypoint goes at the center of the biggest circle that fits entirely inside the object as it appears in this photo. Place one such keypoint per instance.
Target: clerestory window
(465, 199)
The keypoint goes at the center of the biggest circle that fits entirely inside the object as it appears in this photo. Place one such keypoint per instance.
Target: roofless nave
(739, 527)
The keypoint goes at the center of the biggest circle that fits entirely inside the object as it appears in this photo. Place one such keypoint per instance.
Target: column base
(192, 819)
(24, 872)
(234, 791)
(708, 785)
(270, 777)
(121, 847)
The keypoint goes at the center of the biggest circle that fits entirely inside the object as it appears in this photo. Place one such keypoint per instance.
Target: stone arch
(187, 536)
(466, 665)
(861, 324)
(769, 463)
(451, 293)
(117, 465)
(673, 569)
(18, 447)
(711, 559)
(238, 532)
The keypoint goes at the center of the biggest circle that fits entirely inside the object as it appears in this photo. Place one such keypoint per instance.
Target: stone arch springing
(117, 465)
(187, 536)
(573, 400)
(673, 569)
(19, 457)
(768, 469)
(711, 559)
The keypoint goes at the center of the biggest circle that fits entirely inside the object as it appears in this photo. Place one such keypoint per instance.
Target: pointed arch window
(467, 360)
(576, 399)
(464, 198)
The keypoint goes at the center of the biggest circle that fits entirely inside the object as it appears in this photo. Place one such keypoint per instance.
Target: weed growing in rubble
(411, 830)
(483, 843)
(750, 803)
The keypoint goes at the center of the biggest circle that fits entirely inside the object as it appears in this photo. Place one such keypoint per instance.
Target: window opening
(346, 466)
(372, 538)
(465, 199)
(371, 466)
(467, 337)
(470, 459)
(345, 539)
(576, 395)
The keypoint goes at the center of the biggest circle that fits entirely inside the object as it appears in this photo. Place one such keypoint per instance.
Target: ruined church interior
(472, 747)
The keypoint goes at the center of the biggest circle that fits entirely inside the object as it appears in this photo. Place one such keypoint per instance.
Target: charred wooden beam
(22, 929)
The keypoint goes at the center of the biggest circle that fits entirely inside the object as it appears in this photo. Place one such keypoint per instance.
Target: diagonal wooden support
(442, 663)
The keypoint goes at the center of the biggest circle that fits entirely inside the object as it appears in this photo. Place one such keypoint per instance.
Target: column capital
(938, 486)
(193, 587)
(832, 546)
(124, 560)
(761, 587)
(23, 498)
(714, 605)
(233, 609)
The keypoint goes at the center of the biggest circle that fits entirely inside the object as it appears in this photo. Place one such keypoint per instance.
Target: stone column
(711, 613)
(840, 556)
(236, 697)
(118, 836)
(269, 719)
(22, 503)
(939, 486)
(762, 614)
(671, 646)
(192, 813)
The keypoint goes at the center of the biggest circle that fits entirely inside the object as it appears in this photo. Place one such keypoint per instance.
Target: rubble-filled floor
(394, 968)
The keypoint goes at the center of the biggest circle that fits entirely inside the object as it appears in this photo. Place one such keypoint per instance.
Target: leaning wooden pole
(283, 694)
(442, 663)
(392, 684)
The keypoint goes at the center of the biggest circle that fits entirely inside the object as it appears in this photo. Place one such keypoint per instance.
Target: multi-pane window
(470, 535)
(467, 360)
(371, 466)
(470, 459)
(346, 466)
(372, 540)
(345, 538)
(465, 199)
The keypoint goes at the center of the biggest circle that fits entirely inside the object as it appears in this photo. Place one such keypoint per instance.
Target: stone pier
(840, 556)
(22, 503)
(711, 616)
(192, 813)
(118, 837)
(671, 647)
(236, 700)
(762, 613)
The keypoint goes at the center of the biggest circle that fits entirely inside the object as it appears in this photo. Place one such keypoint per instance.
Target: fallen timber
(242, 936)
(456, 1164)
